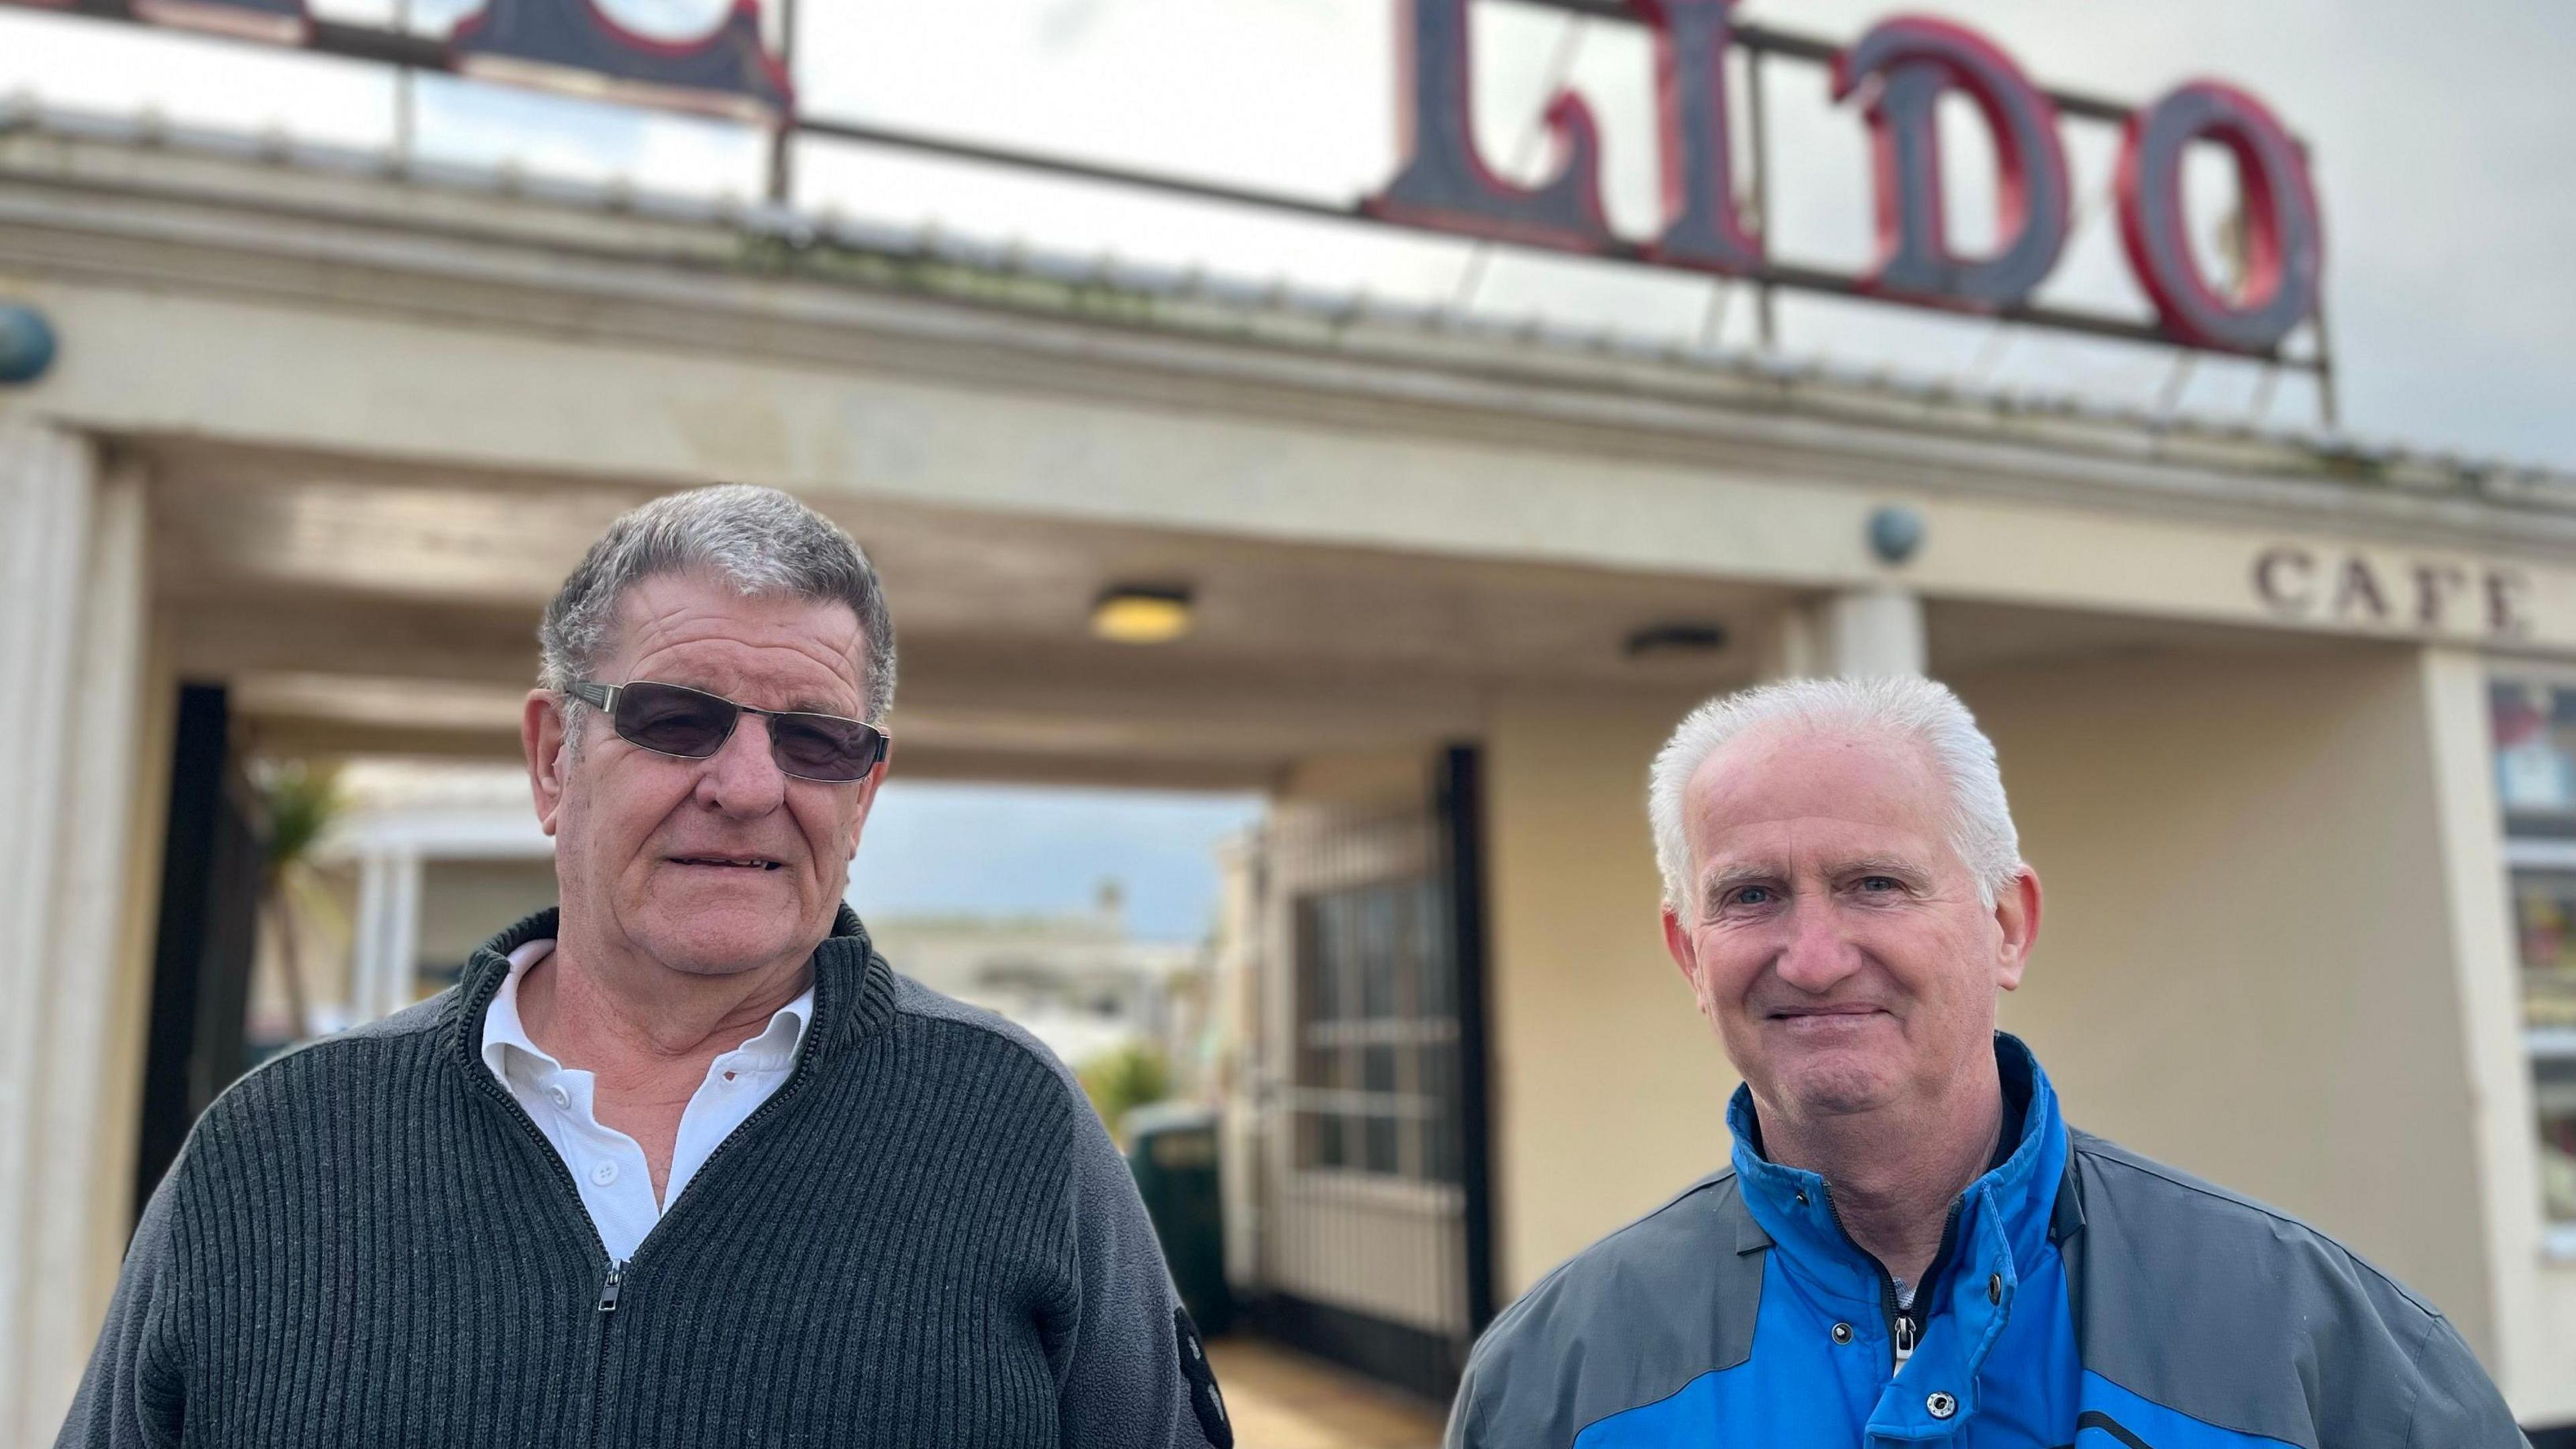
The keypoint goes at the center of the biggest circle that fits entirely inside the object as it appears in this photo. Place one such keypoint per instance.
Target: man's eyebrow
(1895, 865)
(1749, 873)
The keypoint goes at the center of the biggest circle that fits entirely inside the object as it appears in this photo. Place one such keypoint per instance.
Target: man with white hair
(682, 1161)
(1911, 1246)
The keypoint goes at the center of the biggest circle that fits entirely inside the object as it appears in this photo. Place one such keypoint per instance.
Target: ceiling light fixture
(1142, 613)
(1676, 638)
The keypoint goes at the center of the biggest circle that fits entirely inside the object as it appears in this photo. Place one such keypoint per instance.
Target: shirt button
(1941, 1405)
(604, 1173)
(562, 1097)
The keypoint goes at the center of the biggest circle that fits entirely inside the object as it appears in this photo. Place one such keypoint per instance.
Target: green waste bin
(1172, 1151)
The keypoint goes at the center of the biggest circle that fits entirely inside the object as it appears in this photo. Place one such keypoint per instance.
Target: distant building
(1078, 982)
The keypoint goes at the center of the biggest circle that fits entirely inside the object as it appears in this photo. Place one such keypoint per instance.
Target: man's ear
(2017, 909)
(543, 741)
(868, 789)
(1677, 941)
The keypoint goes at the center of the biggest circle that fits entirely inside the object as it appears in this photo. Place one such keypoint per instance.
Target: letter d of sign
(573, 45)
(1445, 185)
(2283, 239)
(1914, 60)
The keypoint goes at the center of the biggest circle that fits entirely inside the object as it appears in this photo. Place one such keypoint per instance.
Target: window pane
(1381, 1146)
(1431, 936)
(1440, 1157)
(2554, 1087)
(2535, 745)
(1377, 952)
(2544, 918)
(1315, 995)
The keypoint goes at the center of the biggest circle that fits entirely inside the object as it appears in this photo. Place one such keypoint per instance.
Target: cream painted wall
(2246, 963)
(1609, 1091)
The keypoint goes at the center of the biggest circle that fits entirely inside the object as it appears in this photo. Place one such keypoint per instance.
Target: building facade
(2286, 722)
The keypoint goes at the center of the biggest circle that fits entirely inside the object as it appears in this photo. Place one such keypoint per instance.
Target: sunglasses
(671, 719)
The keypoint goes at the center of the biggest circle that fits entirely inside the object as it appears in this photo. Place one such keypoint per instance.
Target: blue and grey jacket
(2085, 1296)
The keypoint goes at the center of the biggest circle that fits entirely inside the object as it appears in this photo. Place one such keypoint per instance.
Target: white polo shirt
(607, 1165)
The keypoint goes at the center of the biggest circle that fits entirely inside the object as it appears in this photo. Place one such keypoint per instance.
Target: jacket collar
(853, 986)
(2008, 1220)
(2030, 1190)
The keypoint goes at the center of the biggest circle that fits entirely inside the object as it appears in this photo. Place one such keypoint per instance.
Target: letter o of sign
(2284, 234)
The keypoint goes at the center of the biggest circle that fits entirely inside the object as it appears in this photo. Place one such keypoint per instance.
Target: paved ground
(1281, 1399)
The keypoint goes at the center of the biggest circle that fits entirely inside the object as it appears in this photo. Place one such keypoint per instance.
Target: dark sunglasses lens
(672, 720)
(823, 746)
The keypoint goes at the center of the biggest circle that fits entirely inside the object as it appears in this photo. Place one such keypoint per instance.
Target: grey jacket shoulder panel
(1628, 1321)
(2212, 1304)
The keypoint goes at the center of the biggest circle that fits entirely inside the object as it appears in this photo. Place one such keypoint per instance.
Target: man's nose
(1819, 953)
(742, 779)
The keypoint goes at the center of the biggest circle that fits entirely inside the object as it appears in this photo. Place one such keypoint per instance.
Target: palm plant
(299, 801)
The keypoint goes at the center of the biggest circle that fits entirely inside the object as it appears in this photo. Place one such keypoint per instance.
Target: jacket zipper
(1904, 1325)
(617, 1268)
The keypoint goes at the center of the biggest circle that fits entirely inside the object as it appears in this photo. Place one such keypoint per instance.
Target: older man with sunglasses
(682, 1161)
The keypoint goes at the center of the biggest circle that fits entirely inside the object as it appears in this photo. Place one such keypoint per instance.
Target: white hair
(761, 541)
(1906, 707)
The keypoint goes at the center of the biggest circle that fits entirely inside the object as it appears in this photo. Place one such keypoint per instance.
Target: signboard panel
(1893, 78)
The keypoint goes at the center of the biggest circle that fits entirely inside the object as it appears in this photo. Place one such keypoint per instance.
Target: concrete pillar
(75, 881)
(366, 943)
(398, 980)
(2528, 1359)
(384, 955)
(1873, 633)
(1858, 633)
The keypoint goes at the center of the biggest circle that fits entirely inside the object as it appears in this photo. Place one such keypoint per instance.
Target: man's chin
(1834, 1082)
(720, 943)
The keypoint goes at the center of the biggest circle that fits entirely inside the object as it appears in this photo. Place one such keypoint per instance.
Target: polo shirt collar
(509, 1051)
(851, 998)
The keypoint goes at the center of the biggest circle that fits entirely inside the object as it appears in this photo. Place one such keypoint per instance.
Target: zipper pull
(1906, 1333)
(608, 1290)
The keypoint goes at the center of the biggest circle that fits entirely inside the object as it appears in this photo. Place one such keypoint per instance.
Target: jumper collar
(853, 987)
(508, 1050)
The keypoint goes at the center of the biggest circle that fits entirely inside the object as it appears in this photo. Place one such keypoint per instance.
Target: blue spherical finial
(1895, 533)
(26, 343)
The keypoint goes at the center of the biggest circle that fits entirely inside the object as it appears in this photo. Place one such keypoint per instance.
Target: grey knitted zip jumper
(923, 1238)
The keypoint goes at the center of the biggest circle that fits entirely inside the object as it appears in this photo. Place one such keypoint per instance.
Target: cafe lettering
(2348, 587)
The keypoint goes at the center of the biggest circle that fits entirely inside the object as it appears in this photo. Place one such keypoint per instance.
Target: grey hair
(1906, 707)
(759, 540)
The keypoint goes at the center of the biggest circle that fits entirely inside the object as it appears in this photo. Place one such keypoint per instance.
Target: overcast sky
(2445, 140)
(935, 848)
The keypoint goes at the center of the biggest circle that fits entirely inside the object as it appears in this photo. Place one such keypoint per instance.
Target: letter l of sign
(1703, 227)
(1445, 184)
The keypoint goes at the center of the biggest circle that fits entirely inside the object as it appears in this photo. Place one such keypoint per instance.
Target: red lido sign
(1899, 72)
